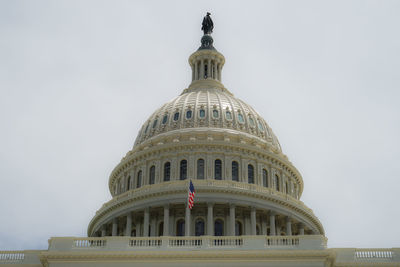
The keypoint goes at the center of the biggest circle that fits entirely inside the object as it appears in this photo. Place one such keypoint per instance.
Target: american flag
(191, 195)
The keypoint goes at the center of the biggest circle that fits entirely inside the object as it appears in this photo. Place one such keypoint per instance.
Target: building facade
(247, 209)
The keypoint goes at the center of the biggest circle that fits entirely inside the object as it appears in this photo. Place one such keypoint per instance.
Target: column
(201, 69)
(288, 226)
(253, 221)
(166, 221)
(138, 228)
(215, 70)
(128, 228)
(196, 70)
(219, 72)
(209, 68)
(114, 227)
(210, 219)
(272, 229)
(192, 72)
(103, 230)
(263, 225)
(187, 221)
(232, 219)
(153, 226)
(301, 229)
(146, 222)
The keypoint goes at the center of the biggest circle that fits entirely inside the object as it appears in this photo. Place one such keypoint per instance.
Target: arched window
(155, 123)
(202, 113)
(176, 116)
(199, 227)
(167, 171)
(180, 227)
(165, 119)
(161, 229)
(128, 183)
(218, 227)
(152, 175)
(240, 118)
(235, 171)
(238, 228)
(139, 179)
(200, 169)
(183, 170)
(228, 115)
(276, 182)
(215, 113)
(265, 178)
(250, 173)
(218, 169)
(188, 114)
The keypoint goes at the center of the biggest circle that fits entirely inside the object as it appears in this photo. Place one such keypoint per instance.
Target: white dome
(211, 108)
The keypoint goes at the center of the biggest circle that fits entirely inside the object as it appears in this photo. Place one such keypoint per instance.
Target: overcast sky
(78, 79)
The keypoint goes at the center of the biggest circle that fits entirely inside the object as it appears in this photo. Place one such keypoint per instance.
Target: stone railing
(357, 256)
(20, 257)
(12, 256)
(363, 254)
(192, 242)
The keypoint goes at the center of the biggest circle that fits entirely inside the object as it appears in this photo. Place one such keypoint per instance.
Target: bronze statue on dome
(207, 25)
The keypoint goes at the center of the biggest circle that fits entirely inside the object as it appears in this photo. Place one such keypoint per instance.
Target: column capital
(166, 206)
(210, 204)
(271, 213)
(288, 218)
(232, 205)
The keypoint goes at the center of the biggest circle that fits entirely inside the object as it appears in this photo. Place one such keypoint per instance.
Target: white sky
(78, 79)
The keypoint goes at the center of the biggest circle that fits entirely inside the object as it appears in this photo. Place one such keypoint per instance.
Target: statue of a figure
(207, 25)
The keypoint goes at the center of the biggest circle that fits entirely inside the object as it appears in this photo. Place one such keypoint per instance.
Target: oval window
(228, 115)
(164, 120)
(155, 123)
(240, 118)
(215, 113)
(147, 128)
(251, 121)
(202, 113)
(176, 116)
(188, 114)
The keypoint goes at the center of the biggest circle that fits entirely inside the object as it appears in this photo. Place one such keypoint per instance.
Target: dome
(205, 108)
(244, 184)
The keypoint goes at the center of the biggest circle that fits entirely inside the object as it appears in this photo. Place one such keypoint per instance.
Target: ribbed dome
(207, 107)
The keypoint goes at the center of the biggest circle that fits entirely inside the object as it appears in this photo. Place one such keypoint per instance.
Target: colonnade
(145, 225)
(213, 70)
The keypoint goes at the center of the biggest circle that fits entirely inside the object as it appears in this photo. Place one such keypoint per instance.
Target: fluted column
(114, 227)
(209, 68)
(253, 221)
(301, 229)
(146, 222)
(202, 69)
(232, 219)
(272, 229)
(153, 227)
(288, 226)
(219, 72)
(196, 70)
(166, 221)
(103, 230)
(215, 70)
(128, 228)
(263, 225)
(187, 221)
(210, 219)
